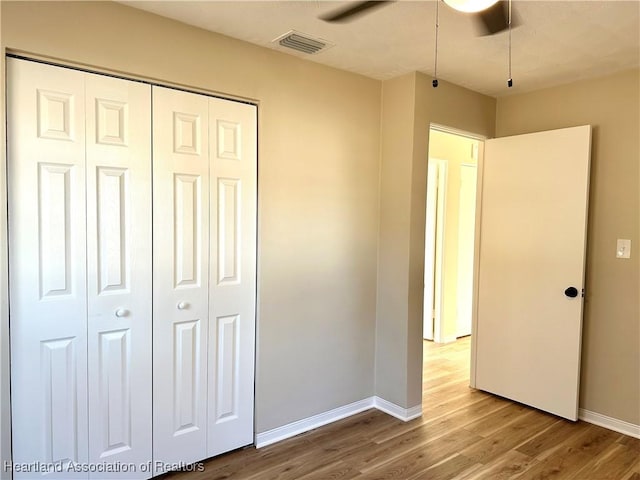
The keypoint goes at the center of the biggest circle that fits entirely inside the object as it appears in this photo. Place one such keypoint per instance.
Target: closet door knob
(182, 305)
(122, 312)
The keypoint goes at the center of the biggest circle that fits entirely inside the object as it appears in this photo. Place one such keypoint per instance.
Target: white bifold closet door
(99, 389)
(181, 259)
(119, 273)
(204, 217)
(79, 168)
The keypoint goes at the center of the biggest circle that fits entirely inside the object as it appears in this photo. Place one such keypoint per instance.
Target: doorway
(450, 233)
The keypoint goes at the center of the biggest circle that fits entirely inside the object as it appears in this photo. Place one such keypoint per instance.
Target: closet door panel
(232, 275)
(46, 183)
(180, 262)
(119, 273)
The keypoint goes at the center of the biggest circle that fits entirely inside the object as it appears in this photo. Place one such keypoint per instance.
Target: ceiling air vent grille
(301, 42)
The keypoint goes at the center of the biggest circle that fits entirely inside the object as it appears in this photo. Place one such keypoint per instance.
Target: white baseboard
(296, 428)
(407, 414)
(404, 414)
(614, 424)
(444, 340)
(306, 424)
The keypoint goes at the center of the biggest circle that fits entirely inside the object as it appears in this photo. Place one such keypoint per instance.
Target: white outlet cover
(623, 248)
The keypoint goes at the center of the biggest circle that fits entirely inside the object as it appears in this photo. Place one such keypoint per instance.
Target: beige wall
(410, 104)
(398, 118)
(318, 186)
(610, 383)
(456, 150)
(342, 188)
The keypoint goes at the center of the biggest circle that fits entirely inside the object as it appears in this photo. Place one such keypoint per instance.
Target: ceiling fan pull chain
(510, 80)
(435, 66)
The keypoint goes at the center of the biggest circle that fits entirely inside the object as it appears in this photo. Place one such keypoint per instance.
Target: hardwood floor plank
(614, 463)
(548, 440)
(450, 385)
(493, 446)
(508, 466)
(392, 449)
(425, 456)
(335, 471)
(568, 461)
(437, 409)
(633, 443)
(360, 427)
(446, 469)
(467, 416)
(464, 434)
(497, 419)
(459, 414)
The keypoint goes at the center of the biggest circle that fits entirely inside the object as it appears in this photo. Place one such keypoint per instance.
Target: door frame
(476, 266)
(476, 249)
(475, 169)
(6, 454)
(5, 363)
(438, 209)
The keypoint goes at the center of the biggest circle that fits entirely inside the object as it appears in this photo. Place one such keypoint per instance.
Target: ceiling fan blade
(495, 19)
(351, 12)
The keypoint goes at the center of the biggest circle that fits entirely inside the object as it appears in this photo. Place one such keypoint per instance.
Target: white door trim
(465, 244)
(5, 413)
(442, 167)
(457, 131)
(441, 209)
(434, 198)
(476, 264)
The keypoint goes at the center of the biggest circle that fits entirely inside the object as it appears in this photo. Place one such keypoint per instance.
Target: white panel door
(532, 250)
(46, 183)
(232, 305)
(119, 273)
(180, 276)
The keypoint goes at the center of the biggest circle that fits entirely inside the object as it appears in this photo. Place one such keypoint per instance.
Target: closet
(132, 263)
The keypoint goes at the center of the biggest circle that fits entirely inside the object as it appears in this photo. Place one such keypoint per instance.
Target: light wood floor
(463, 434)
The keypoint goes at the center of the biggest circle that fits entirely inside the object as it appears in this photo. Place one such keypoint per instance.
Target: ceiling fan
(492, 16)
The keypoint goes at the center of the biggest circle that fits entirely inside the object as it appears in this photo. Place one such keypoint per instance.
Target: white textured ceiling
(557, 41)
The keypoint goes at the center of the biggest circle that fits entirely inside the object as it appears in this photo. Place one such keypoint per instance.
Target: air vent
(302, 42)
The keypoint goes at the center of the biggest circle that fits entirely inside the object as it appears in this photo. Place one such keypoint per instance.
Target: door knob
(122, 312)
(182, 305)
(571, 292)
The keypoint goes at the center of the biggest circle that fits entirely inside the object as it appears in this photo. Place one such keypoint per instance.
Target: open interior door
(531, 268)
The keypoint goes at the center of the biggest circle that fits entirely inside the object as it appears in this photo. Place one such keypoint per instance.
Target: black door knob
(571, 292)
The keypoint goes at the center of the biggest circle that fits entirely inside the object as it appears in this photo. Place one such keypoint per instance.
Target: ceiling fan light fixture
(470, 6)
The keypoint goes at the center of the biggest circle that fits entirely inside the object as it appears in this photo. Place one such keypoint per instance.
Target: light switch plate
(623, 248)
